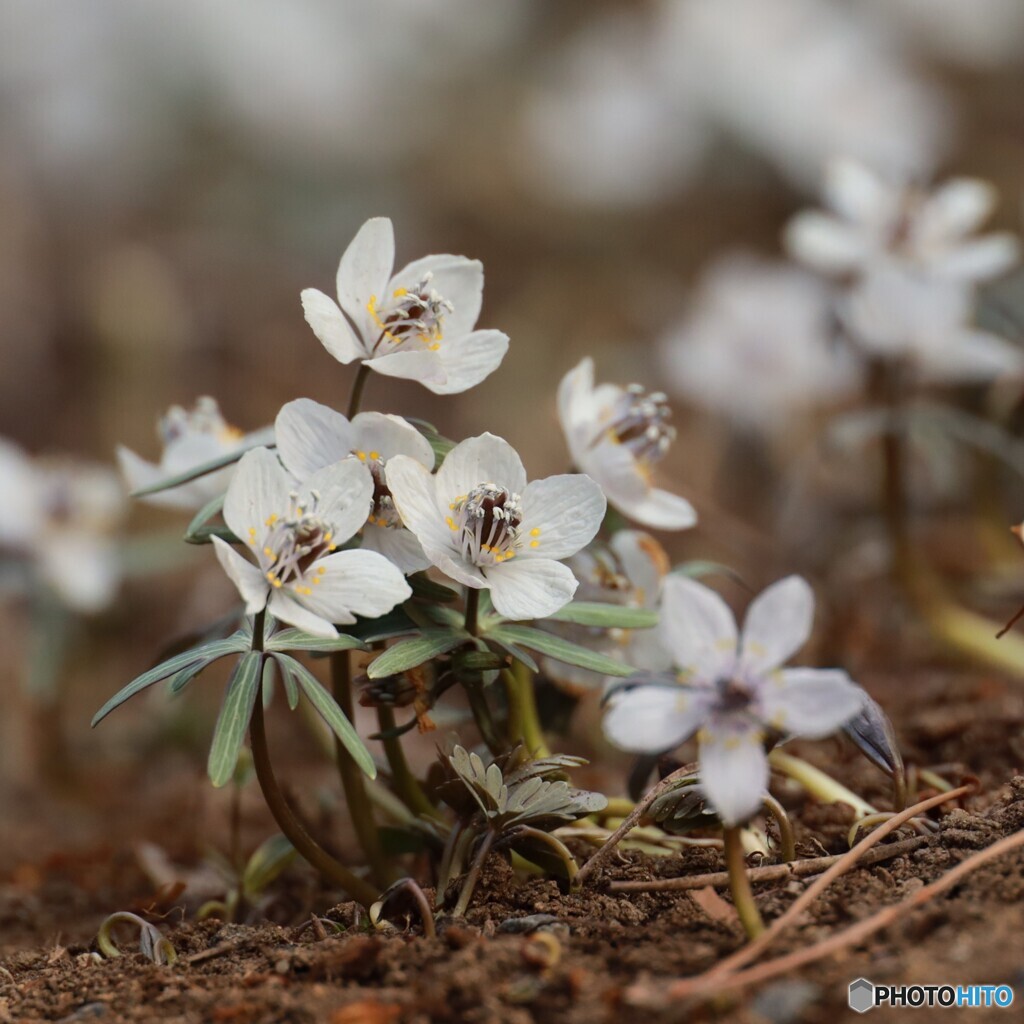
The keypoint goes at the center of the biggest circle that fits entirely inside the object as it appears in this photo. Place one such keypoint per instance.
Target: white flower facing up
(61, 517)
(731, 690)
(616, 435)
(875, 224)
(418, 323)
(758, 344)
(311, 437)
(190, 438)
(481, 523)
(299, 576)
(627, 571)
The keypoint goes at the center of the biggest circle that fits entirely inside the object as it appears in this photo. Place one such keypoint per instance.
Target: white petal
(970, 355)
(138, 473)
(777, 625)
(83, 569)
(825, 243)
(423, 366)
(354, 583)
(330, 326)
(455, 566)
(531, 588)
(415, 495)
(858, 194)
(980, 260)
(480, 460)
(287, 609)
(311, 436)
(345, 491)
(560, 515)
(398, 546)
(662, 511)
(645, 562)
(697, 628)
(573, 394)
(810, 702)
(455, 278)
(258, 490)
(363, 275)
(388, 436)
(957, 208)
(248, 578)
(653, 719)
(468, 360)
(733, 771)
(22, 517)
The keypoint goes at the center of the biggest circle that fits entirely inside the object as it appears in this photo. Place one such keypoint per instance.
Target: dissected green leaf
(233, 720)
(558, 648)
(610, 616)
(395, 624)
(298, 640)
(197, 531)
(268, 861)
(515, 651)
(329, 711)
(202, 656)
(194, 473)
(415, 651)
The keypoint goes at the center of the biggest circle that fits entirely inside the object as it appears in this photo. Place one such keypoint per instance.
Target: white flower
(627, 571)
(876, 224)
(62, 516)
(482, 523)
(758, 344)
(300, 577)
(615, 435)
(190, 438)
(311, 436)
(417, 324)
(731, 690)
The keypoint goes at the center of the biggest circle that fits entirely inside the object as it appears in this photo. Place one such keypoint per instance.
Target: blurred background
(173, 174)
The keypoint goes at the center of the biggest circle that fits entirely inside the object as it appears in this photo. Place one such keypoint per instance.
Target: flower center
(382, 505)
(638, 420)
(411, 315)
(292, 545)
(733, 695)
(487, 523)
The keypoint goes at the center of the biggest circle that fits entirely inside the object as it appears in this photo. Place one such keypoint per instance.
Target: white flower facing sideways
(311, 437)
(299, 576)
(480, 522)
(190, 438)
(615, 435)
(418, 323)
(731, 690)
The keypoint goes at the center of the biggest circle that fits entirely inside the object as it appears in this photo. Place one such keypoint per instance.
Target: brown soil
(592, 947)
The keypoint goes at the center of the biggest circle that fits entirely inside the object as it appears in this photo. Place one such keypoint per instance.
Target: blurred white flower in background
(758, 344)
(311, 436)
(616, 435)
(627, 570)
(191, 437)
(797, 81)
(910, 262)
(60, 520)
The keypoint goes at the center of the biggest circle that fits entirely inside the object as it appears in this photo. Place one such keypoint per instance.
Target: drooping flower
(418, 323)
(191, 437)
(616, 435)
(877, 225)
(61, 516)
(628, 571)
(300, 576)
(311, 436)
(481, 523)
(731, 691)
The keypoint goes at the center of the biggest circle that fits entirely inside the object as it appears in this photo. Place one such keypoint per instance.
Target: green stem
(352, 779)
(293, 829)
(739, 884)
(524, 721)
(818, 783)
(406, 784)
(466, 892)
(787, 842)
(355, 397)
(472, 608)
(483, 717)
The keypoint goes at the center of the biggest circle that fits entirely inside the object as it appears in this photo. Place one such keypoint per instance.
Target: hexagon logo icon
(861, 996)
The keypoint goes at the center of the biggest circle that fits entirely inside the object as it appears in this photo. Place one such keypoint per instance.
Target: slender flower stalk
(739, 883)
(524, 720)
(405, 783)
